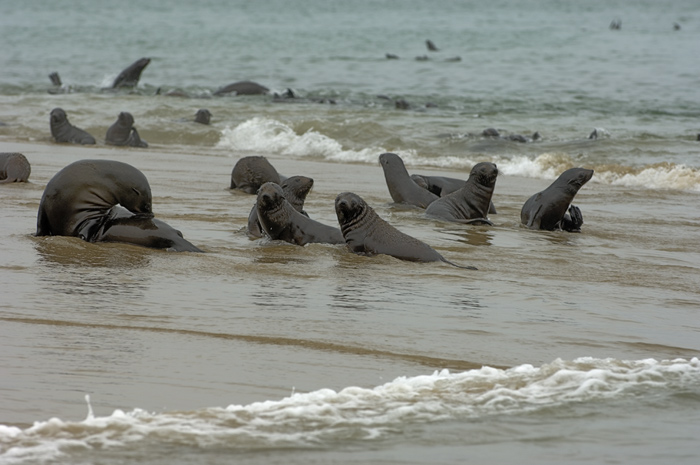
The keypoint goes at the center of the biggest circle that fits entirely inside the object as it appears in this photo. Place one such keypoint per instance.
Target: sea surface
(560, 348)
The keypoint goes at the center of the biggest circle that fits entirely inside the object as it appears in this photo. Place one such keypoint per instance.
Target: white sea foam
(323, 416)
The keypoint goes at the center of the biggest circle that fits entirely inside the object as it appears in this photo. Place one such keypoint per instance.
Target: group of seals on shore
(469, 201)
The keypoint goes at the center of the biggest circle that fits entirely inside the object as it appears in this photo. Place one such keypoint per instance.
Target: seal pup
(243, 88)
(121, 225)
(366, 233)
(295, 190)
(203, 116)
(130, 76)
(63, 131)
(14, 167)
(401, 187)
(548, 209)
(469, 204)
(76, 201)
(249, 173)
(280, 221)
(123, 132)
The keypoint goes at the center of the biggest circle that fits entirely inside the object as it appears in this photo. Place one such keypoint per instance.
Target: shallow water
(561, 348)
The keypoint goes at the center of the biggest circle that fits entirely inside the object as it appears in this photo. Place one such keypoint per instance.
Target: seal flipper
(573, 220)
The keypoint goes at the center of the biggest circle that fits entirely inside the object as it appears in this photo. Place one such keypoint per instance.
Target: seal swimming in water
(471, 203)
(280, 221)
(366, 233)
(548, 209)
(63, 131)
(249, 173)
(14, 167)
(401, 187)
(443, 185)
(130, 76)
(123, 132)
(203, 116)
(76, 200)
(295, 190)
(243, 88)
(121, 225)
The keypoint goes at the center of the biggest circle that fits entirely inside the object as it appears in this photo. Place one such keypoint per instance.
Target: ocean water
(561, 348)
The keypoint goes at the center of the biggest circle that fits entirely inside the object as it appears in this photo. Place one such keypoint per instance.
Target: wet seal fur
(443, 185)
(249, 173)
(551, 209)
(121, 225)
(63, 131)
(123, 132)
(280, 221)
(469, 204)
(129, 77)
(295, 190)
(105, 201)
(366, 233)
(14, 167)
(203, 116)
(401, 187)
(77, 199)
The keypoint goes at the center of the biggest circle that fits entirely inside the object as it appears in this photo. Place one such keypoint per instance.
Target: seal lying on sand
(243, 88)
(130, 76)
(401, 187)
(280, 221)
(121, 225)
(469, 204)
(63, 131)
(104, 201)
(295, 190)
(14, 167)
(77, 199)
(249, 173)
(548, 209)
(123, 132)
(366, 233)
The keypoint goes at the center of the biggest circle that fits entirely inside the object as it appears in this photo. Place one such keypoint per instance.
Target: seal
(249, 173)
(366, 233)
(548, 209)
(121, 225)
(129, 77)
(77, 199)
(401, 187)
(123, 132)
(203, 116)
(14, 167)
(469, 204)
(63, 131)
(443, 185)
(295, 190)
(280, 221)
(243, 88)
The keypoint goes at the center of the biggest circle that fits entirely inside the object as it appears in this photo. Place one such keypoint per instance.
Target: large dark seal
(401, 187)
(249, 173)
(14, 167)
(366, 233)
(121, 225)
(280, 221)
(470, 203)
(77, 199)
(295, 190)
(130, 76)
(63, 131)
(243, 88)
(123, 132)
(551, 209)
(203, 116)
